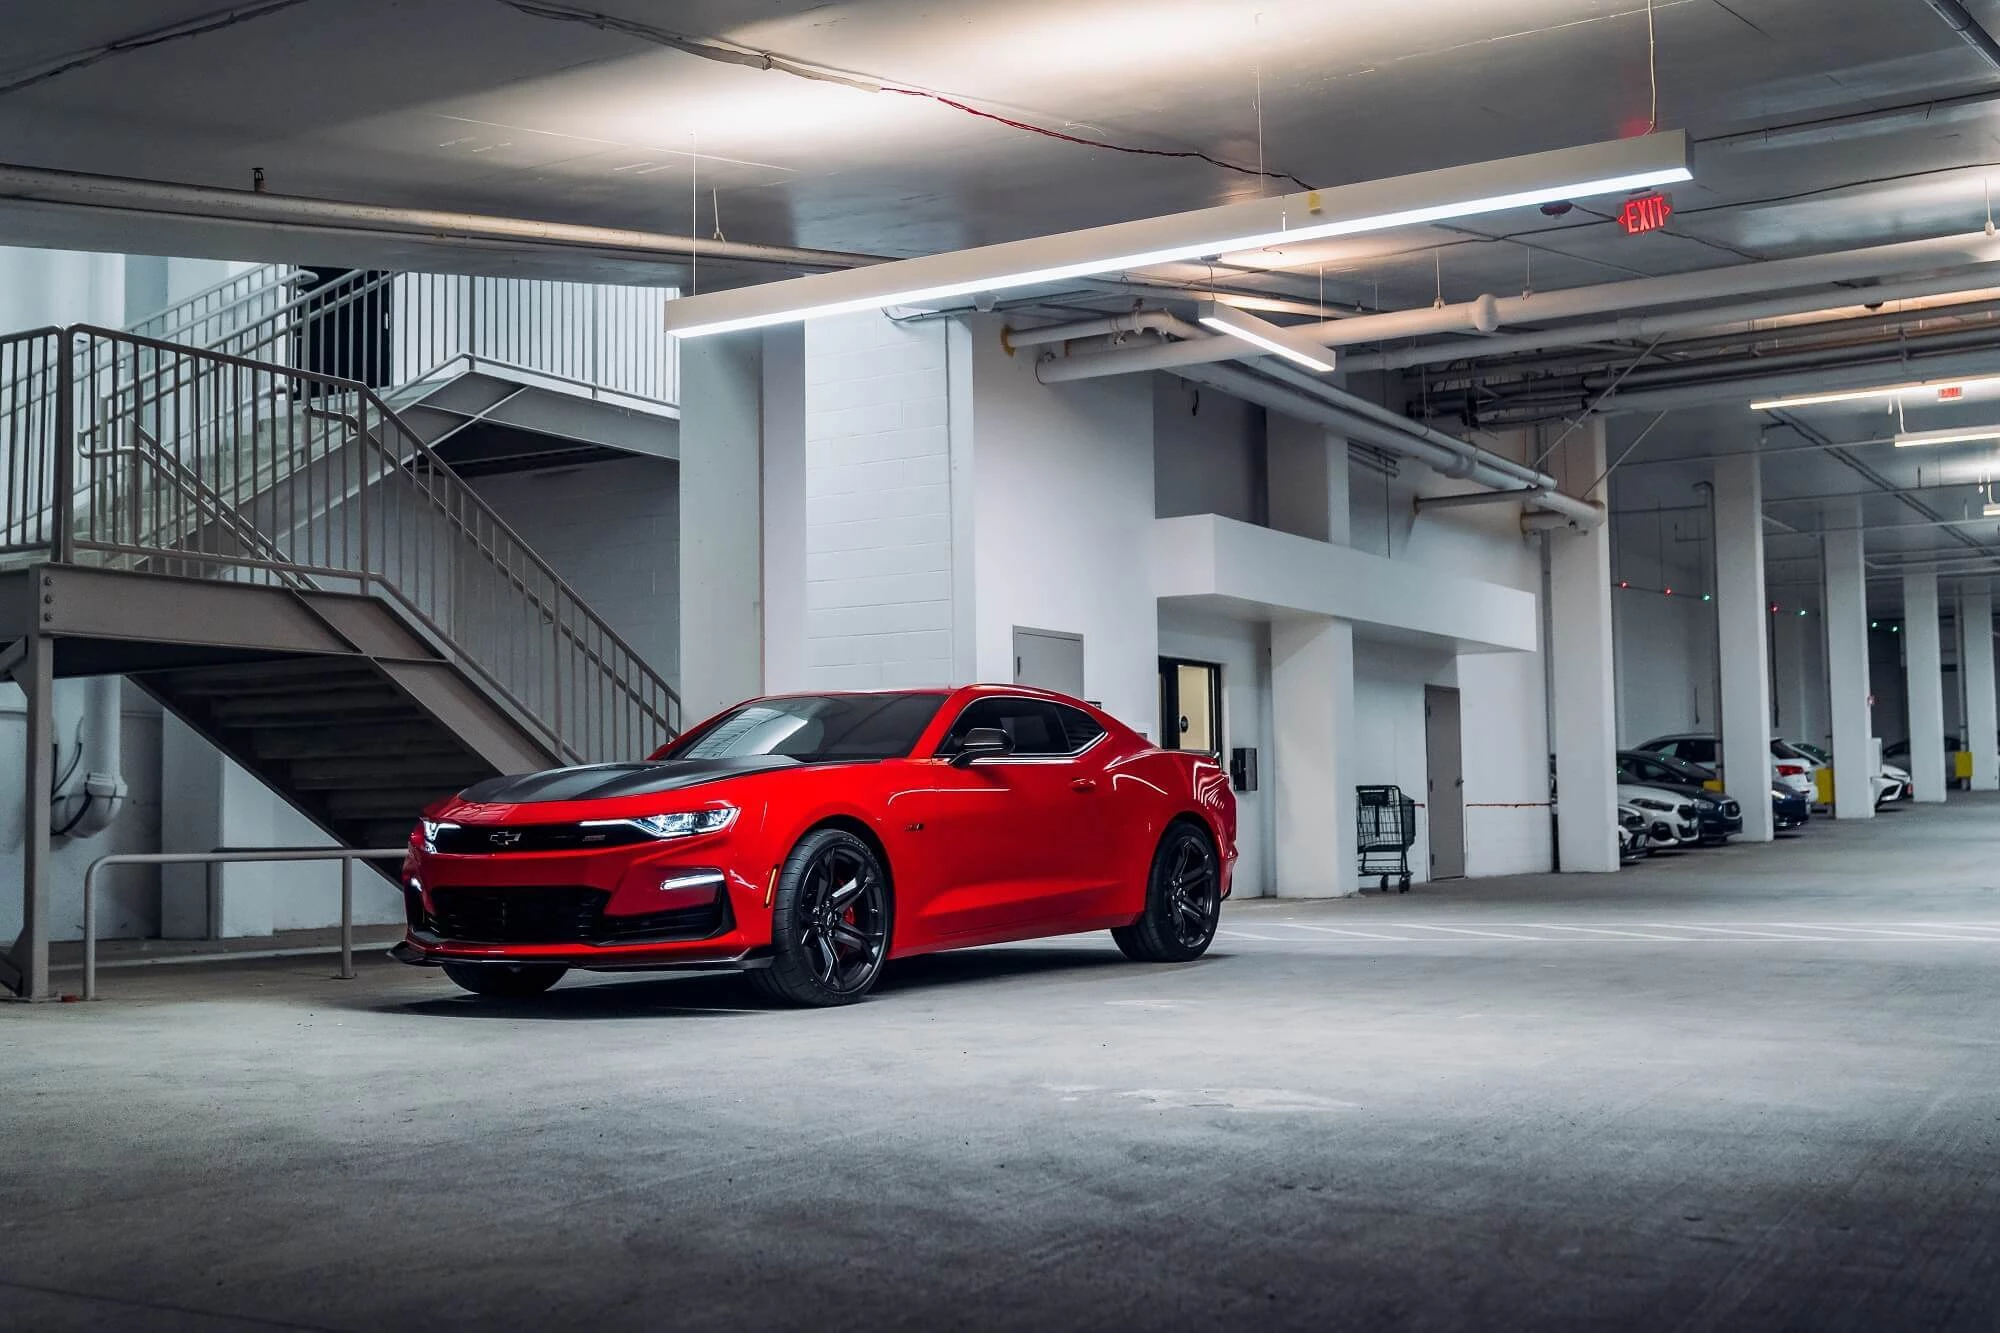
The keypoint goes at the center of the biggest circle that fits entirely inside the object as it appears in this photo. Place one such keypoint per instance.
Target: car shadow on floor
(600, 996)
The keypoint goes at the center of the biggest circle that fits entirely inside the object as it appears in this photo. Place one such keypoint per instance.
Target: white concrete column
(1975, 659)
(1923, 666)
(1583, 727)
(1742, 628)
(1847, 661)
(722, 644)
(1312, 775)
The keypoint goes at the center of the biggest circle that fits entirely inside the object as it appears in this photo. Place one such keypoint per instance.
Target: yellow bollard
(1823, 786)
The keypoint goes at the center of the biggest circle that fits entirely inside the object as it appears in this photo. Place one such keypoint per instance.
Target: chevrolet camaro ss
(807, 839)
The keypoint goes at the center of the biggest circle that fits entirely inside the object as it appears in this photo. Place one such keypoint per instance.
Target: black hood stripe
(598, 782)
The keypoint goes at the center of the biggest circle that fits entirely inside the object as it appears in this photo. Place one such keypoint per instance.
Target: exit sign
(1646, 212)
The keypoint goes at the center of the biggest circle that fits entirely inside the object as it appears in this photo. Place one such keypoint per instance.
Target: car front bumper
(626, 908)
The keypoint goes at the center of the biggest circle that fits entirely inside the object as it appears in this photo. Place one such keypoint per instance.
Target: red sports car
(809, 838)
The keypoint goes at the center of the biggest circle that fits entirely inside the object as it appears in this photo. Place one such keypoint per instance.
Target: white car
(1671, 818)
(1634, 843)
(1792, 771)
(1891, 783)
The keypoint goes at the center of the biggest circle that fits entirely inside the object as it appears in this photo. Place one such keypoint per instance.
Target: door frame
(1170, 717)
(1431, 793)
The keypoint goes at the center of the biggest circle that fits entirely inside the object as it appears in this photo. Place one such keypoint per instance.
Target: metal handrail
(217, 300)
(347, 856)
(195, 399)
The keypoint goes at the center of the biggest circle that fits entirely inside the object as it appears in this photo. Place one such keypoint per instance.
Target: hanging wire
(1653, 65)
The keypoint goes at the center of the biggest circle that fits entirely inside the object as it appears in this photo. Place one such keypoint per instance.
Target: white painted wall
(1063, 508)
(1208, 452)
(612, 531)
(880, 607)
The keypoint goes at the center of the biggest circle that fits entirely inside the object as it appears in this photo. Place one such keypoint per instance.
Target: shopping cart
(1386, 823)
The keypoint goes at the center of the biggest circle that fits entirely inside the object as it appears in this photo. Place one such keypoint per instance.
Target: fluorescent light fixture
(1432, 196)
(1966, 435)
(1864, 395)
(1273, 338)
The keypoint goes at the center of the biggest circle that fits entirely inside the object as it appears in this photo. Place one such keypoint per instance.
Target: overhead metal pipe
(1457, 458)
(1488, 313)
(128, 194)
(1633, 328)
(1861, 376)
(1969, 28)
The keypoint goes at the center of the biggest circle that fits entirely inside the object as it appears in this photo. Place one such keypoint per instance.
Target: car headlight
(680, 824)
(1648, 803)
(1706, 806)
(430, 829)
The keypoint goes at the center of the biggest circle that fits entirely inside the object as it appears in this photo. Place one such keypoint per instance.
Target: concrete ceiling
(1819, 126)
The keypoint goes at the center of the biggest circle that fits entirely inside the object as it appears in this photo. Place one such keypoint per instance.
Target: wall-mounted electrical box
(1243, 768)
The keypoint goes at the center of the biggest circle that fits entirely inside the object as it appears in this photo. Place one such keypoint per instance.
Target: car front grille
(502, 839)
(556, 915)
(1685, 811)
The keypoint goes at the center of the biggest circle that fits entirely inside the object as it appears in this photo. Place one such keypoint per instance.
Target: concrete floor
(1745, 1089)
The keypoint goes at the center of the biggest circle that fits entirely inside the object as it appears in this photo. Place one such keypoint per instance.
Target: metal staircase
(287, 564)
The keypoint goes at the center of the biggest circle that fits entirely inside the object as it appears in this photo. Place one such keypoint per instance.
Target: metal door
(1049, 660)
(1444, 763)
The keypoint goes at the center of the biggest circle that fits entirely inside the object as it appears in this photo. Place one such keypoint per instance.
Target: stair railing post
(347, 918)
(361, 460)
(63, 474)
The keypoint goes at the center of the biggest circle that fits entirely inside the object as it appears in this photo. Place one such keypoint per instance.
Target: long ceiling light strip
(1272, 338)
(1866, 395)
(1963, 435)
(1432, 196)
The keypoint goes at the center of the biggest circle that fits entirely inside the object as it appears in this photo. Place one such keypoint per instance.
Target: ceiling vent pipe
(1364, 423)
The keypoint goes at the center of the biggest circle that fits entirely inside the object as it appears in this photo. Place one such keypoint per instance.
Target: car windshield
(814, 728)
(1683, 770)
(1812, 752)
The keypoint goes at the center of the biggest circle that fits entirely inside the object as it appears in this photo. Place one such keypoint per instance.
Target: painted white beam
(1742, 626)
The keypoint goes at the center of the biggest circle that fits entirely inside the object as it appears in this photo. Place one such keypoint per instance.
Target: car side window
(1035, 727)
(1079, 728)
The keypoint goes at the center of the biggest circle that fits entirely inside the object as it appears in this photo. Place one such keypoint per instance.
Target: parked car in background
(1899, 754)
(1789, 810)
(1786, 753)
(1721, 817)
(1672, 822)
(1634, 844)
(1892, 783)
(1705, 750)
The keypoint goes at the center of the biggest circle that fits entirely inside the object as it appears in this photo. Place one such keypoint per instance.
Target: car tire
(830, 922)
(1183, 900)
(505, 981)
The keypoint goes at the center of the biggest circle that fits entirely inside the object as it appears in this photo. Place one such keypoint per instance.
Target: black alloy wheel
(829, 922)
(505, 981)
(1183, 901)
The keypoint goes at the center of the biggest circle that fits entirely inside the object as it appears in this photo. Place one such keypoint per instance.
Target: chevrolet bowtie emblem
(504, 838)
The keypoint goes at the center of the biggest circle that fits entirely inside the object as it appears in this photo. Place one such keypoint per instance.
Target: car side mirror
(983, 743)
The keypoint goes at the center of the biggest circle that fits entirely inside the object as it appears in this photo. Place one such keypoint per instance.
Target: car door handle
(1083, 784)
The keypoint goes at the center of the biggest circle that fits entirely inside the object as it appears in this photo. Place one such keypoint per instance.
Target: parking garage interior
(1538, 455)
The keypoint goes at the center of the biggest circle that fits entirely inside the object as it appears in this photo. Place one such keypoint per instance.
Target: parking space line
(1461, 930)
(1246, 935)
(1354, 934)
(1604, 930)
(1883, 932)
(1735, 931)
